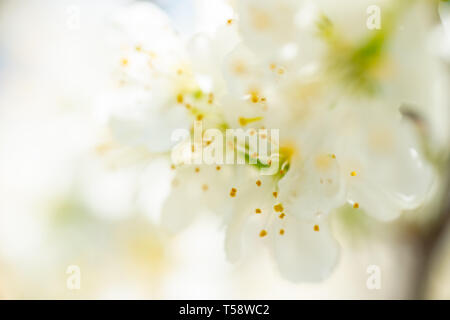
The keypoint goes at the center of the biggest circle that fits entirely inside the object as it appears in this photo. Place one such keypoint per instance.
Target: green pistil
(197, 94)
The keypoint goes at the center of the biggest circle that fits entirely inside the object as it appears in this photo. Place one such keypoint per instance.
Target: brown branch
(429, 244)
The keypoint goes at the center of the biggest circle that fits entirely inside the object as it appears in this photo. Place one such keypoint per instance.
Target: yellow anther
(211, 98)
(180, 98)
(258, 183)
(263, 233)
(278, 207)
(197, 169)
(257, 211)
(275, 194)
(281, 231)
(204, 187)
(356, 205)
(124, 62)
(218, 168)
(316, 228)
(353, 174)
(281, 216)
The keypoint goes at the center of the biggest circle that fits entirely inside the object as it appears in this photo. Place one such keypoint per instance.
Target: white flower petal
(266, 24)
(381, 164)
(153, 132)
(303, 254)
(313, 189)
(250, 196)
(196, 189)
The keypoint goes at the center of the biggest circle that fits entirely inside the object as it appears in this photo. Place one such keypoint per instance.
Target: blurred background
(67, 200)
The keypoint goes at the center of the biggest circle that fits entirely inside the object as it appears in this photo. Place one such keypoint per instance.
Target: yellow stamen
(278, 207)
(356, 205)
(281, 231)
(258, 211)
(263, 233)
(316, 228)
(244, 121)
(258, 183)
(353, 174)
(210, 98)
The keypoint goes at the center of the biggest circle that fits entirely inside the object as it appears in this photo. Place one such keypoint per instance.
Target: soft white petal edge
(305, 255)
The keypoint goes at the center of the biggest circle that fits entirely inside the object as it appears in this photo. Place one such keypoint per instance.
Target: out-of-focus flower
(149, 73)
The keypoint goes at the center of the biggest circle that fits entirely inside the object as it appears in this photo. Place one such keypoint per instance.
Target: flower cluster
(341, 94)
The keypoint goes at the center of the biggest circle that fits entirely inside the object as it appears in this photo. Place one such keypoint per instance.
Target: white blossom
(311, 69)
